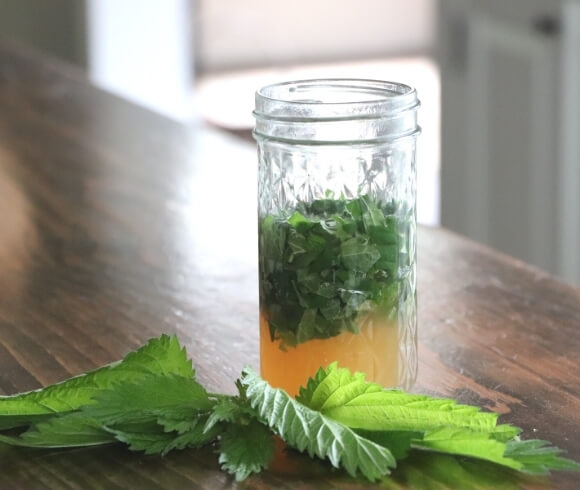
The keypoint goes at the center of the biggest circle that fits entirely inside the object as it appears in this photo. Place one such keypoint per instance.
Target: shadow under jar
(337, 229)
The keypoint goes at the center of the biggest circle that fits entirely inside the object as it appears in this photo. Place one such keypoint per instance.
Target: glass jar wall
(337, 230)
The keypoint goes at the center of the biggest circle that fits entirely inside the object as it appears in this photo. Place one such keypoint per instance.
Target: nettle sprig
(152, 402)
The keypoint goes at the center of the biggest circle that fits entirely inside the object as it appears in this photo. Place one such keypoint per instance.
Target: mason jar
(337, 230)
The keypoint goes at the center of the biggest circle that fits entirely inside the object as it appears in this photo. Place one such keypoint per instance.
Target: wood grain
(117, 225)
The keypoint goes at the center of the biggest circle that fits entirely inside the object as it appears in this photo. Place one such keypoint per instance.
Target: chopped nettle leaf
(151, 402)
(327, 262)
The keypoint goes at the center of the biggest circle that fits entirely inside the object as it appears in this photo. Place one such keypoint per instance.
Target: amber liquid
(373, 351)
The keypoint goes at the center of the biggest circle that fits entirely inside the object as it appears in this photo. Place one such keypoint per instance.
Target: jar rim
(364, 85)
(336, 109)
(334, 98)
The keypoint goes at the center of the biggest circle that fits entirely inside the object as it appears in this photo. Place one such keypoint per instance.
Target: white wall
(143, 51)
(233, 34)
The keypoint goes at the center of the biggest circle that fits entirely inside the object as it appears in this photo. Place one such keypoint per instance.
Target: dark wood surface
(117, 225)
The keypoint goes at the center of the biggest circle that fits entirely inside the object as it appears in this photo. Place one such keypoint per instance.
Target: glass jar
(337, 229)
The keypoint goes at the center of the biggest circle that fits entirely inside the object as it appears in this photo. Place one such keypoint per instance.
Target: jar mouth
(333, 99)
(332, 110)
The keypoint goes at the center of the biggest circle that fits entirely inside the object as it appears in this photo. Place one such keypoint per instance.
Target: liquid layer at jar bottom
(373, 351)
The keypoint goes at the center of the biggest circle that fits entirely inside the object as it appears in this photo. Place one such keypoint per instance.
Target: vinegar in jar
(374, 350)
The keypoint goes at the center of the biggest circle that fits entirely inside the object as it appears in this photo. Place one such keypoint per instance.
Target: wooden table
(117, 225)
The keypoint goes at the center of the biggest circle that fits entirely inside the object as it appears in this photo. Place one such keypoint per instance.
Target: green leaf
(371, 214)
(176, 419)
(70, 430)
(465, 442)
(433, 471)
(128, 410)
(345, 228)
(307, 326)
(331, 310)
(532, 456)
(539, 457)
(161, 356)
(322, 249)
(334, 386)
(310, 431)
(396, 410)
(382, 235)
(399, 443)
(197, 436)
(161, 410)
(271, 241)
(351, 400)
(310, 281)
(439, 424)
(152, 440)
(231, 409)
(355, 208)
(77, 430)
(357, 254)
(299, 220)
(389, 257)
(226, 409)
(504, 432)
(127, 400)
(245, 449)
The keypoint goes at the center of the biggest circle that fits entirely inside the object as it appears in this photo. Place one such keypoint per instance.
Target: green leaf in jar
(358, 254)
(336, 257)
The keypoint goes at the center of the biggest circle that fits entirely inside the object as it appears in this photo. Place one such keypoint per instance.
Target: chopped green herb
(330, 260)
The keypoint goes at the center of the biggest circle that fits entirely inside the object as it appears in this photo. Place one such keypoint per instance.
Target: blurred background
(499, 157)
